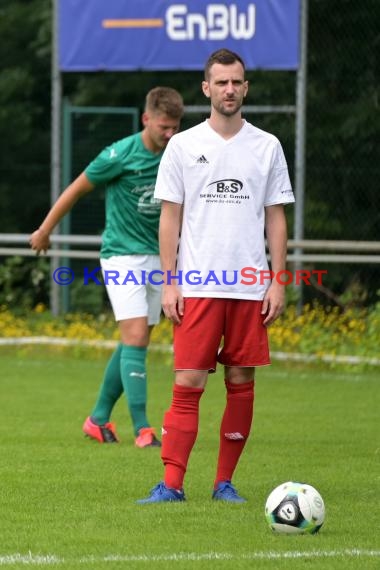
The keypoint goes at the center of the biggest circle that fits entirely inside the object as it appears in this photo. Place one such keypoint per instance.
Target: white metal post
(55, 174)
(300, 154)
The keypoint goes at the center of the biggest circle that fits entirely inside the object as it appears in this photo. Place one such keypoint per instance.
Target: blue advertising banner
(121, 35)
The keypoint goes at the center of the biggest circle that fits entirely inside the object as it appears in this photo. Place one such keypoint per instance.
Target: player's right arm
(170, 224)
(40, 239)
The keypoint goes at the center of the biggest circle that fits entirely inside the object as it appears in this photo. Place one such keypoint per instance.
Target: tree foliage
(24, 112)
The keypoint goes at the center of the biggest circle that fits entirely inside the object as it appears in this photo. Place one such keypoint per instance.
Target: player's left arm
(276, 233)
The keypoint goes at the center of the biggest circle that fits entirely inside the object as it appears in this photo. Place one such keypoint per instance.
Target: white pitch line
(53, 560)
(29, 559)
(296, 356)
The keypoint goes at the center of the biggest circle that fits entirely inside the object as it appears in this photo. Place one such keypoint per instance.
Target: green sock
(133, 377)
(110, 390)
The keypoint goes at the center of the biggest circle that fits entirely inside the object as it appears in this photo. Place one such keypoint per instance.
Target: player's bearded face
(226, 88)
(227, 106)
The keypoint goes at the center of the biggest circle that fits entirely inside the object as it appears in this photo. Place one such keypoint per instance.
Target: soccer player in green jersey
(128, 168)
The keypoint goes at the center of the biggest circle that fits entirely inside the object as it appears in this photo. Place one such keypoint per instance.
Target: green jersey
(129, 172)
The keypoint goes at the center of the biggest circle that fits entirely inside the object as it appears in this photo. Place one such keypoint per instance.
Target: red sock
(235, 428)
(180, 431)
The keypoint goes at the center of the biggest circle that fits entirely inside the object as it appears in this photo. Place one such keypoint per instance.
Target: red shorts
(197, 340)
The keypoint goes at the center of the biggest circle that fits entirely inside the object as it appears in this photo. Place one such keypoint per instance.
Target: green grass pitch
(68, 502)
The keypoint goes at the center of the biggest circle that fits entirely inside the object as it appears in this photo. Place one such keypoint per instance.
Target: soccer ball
(295, 508)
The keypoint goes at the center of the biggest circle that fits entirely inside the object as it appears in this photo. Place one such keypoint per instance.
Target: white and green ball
(295, 508)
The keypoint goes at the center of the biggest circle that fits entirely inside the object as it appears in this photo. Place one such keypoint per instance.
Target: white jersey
(224, 186)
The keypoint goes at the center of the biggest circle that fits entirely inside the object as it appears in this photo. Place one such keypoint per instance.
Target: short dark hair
(165, 100)
(223, 56)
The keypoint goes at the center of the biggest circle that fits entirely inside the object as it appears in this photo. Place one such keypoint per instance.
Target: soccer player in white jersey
(223, 186)
(128, 169)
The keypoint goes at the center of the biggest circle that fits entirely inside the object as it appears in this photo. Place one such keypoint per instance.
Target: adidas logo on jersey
(202, 160)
